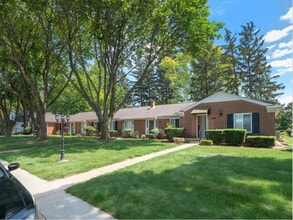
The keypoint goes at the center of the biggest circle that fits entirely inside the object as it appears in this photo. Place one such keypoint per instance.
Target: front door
(201, 126)
(150, 125)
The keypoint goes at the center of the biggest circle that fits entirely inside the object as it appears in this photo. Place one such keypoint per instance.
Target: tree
(230, 63)
(253, 68)
(284, 118)
(208, 75)
(178, 73)
(30, 43)
(125, 40)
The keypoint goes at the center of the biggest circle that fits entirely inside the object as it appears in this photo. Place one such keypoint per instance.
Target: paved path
(54, 203)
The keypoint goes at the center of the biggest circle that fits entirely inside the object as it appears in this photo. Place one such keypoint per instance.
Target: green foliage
(206, 142)
(150, 136)
(113, 133)
(255, 72)
(261, 141)
(215, 135)
(27, 130)
(284, 118)
(234, 137)
(90, 130)
(126, 133)
(173, 132)
(209, 71)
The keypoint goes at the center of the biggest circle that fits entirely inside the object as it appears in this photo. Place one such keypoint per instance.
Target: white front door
(201, 126)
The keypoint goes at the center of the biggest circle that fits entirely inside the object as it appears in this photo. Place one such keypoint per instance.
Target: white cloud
(280, 53)
(285, 99)
(285, 63)
(288, 15)
(289, 44)
(275, 35)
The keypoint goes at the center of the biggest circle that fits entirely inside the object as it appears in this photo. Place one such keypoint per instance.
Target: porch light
(64, 119)
(220, 112)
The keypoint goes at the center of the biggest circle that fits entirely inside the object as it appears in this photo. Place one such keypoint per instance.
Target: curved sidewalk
(54, 203)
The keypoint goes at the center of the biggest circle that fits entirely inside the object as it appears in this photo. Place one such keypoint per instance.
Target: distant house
(221, 110)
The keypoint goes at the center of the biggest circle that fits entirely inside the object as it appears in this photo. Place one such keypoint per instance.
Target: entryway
(201, 121)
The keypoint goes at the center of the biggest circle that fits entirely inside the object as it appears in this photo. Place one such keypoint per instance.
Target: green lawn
(83, 153)
(199, 182)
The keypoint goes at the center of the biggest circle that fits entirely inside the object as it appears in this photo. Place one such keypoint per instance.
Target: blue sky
(274, 18)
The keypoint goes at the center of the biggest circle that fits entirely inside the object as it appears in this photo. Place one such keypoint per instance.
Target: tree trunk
(104, 125)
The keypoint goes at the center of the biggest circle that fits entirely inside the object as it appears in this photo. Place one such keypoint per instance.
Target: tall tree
(125, 40)
(208, 75)
(255, 72)
(29, 41)
(178, 73)
(230, 63)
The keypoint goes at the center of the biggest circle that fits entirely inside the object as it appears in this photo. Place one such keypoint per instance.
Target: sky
(274, 19)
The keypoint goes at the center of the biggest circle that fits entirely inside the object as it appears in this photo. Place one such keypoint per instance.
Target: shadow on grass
(83, 155)
(210, 187)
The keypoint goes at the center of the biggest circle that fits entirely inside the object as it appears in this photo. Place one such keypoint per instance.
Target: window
(128, 125)
(243, 121)
(114, 125)
(174, 122)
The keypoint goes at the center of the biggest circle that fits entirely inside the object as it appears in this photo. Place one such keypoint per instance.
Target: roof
(83, 116)
(159, 111)
(227, 97)
(165, 111)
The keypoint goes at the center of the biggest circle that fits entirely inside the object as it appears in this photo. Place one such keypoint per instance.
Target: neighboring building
(221, 110)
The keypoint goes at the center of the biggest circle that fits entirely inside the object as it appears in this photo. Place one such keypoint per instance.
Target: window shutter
(177, 123)
(230, 121)
(255, 122)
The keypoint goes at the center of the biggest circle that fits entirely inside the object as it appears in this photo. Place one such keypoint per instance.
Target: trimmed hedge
(126, 133)
(150, 136)
(113, 133)
(261, 141)
(234, 137)
(173, 132)
(214, 135)
(206, 142)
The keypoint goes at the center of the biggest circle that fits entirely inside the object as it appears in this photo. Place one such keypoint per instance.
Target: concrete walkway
(54, 203)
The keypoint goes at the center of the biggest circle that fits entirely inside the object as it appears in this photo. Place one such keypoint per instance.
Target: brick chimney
(152, 104)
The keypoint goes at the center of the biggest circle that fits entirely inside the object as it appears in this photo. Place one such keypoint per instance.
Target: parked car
(15, 200)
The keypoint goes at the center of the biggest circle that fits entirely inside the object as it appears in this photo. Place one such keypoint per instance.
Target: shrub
(90, 130)
(150, 136)
(126, 133)
(234, 137)
(161, 134)
(283, 136)
(206, 142)
(113, 133)
(173, 132)
(27, 130)
(179, 140)
(155, 131)
(135, 134)
(214, 135)
(261, 141)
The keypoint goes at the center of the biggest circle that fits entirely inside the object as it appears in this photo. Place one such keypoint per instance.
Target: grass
(200, 182)
(83, 153)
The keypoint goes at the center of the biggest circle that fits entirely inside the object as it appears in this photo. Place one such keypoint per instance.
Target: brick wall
(217, 121)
